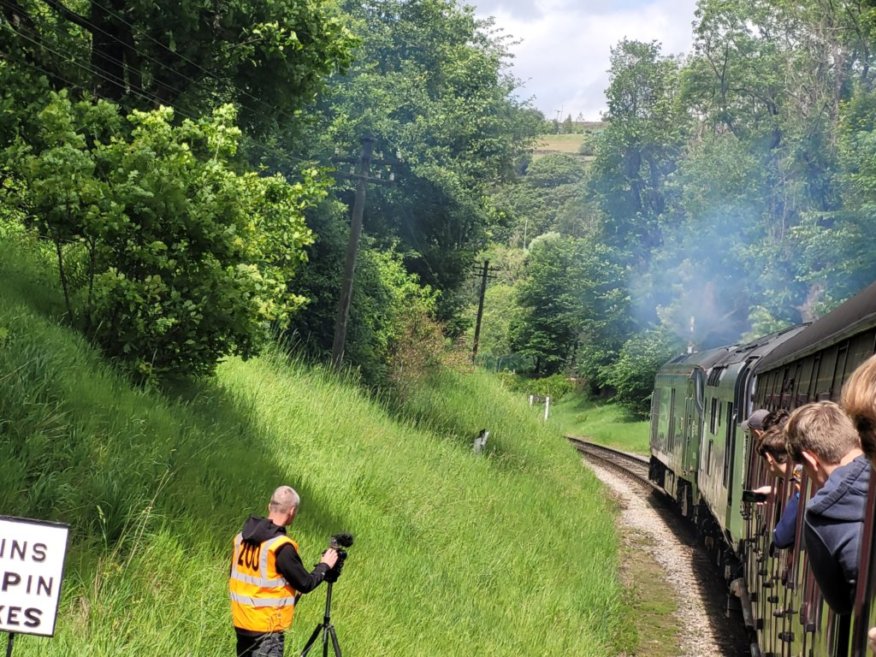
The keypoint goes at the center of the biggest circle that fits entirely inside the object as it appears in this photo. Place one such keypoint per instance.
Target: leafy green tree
(549, 196)
(573, 304)
(430, 85)
(632, 374)
(834, 248)
(269, 58)
(187, 259)
(385, 297)
(638, 149)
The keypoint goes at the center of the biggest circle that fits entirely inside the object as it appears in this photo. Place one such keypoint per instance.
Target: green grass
(508, 553)
(570, 143)
(607, 424)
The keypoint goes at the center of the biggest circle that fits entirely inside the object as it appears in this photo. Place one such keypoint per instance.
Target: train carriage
(724, 447)
(812, 366)
(677, 406)
(701, 456)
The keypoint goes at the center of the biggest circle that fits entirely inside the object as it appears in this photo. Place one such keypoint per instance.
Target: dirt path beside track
(678, 598)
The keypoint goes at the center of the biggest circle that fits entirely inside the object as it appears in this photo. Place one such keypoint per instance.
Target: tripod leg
(325, 638)
(311, 641)
(335, 641)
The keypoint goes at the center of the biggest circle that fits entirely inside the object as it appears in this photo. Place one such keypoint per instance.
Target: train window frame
(842, 352)
(813, 377)
(713, 416)
(729, 451)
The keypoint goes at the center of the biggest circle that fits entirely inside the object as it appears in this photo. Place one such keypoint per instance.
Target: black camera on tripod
(338, 543)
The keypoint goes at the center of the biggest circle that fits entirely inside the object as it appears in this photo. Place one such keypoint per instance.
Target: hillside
(512, 553)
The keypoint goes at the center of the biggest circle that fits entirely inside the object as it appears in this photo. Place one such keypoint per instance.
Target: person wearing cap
(755, 423)
(267, 576)
(772, 447)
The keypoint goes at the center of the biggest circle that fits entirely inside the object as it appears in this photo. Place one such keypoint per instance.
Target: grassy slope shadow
(142, 478)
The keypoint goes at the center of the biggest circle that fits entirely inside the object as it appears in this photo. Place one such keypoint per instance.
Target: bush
(183, 259)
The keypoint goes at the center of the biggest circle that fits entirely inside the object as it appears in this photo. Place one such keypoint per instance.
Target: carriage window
(730, 446)
(713, 416)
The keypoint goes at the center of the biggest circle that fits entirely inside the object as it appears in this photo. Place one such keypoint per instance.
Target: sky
(563, 56)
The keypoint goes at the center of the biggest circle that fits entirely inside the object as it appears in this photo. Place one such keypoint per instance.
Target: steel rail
(630, 464)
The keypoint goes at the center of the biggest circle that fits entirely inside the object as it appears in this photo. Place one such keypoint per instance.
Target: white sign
(31, 569)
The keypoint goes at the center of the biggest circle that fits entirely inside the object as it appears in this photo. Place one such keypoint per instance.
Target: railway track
(630, 464)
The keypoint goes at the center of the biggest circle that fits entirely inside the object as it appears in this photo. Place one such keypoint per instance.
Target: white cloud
(564, 55)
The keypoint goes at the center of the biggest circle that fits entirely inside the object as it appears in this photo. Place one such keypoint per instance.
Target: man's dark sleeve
(786, 528)
(293, 571)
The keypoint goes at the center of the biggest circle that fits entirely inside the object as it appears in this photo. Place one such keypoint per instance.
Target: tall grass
(511, 552)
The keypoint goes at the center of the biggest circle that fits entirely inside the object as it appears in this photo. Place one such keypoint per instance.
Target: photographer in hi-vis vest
(267, 576)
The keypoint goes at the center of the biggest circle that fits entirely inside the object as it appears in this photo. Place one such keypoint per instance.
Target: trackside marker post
(31, 571)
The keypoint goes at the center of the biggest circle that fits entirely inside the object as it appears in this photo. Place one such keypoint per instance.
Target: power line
(271, 150)
(85, 67)
(89, 25)
(184, 58)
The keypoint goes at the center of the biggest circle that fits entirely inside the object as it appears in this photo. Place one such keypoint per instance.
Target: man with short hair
(267, 576)
(823, 439)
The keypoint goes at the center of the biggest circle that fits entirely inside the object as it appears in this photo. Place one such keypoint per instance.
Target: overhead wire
(89, 69)
(185, 59)
(150, 98)
(89, 25)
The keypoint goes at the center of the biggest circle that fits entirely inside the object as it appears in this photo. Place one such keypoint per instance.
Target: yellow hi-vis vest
(261, 599)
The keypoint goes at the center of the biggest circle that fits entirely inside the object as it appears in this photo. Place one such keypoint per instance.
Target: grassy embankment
(511, 553)
(607, 424)
(650, 598)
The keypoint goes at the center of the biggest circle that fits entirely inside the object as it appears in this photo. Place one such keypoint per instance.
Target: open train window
(813, 379)
(730, 449)
(713, 416)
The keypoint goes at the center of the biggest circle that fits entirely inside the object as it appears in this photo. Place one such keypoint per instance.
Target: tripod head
(338, 543)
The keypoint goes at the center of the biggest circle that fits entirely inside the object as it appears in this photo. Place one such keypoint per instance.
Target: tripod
(326, 628)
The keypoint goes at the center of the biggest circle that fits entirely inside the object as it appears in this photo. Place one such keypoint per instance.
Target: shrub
(184, 259)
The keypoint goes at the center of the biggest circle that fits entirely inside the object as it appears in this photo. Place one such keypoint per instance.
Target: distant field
(559, 143)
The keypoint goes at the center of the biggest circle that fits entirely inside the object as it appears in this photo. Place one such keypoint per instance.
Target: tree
(542, 199)
(186, 259)
(638, 149)
(632, 374)
(573, 302)
(269, 58)
(430, 85)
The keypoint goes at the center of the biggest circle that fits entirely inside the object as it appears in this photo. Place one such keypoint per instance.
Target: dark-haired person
(773, 449)
(776, 418)
(859, 402)
(266, 577)
(823, 439)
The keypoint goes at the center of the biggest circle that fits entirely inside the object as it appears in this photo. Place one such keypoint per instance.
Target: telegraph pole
(477, 335)
(352, 248)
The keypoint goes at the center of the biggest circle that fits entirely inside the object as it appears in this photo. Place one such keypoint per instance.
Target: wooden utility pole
(352, 249)
(477, 335)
